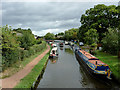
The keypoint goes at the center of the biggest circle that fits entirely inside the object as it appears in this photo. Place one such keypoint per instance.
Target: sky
(44, 17)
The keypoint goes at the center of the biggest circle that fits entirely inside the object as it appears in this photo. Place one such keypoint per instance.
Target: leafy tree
(27, 39)
(49, 36)
(9, 46)
(91, 36)
(101, 17)
(110, 41)
(60, 34)
(118, 8)
(71, 34)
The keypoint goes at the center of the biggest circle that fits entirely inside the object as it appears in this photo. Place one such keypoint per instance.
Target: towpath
(13, 80)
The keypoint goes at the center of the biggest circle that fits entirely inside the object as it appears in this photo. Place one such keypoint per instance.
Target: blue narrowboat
(93, 64)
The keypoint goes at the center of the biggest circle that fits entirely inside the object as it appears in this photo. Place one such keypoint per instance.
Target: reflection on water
(68, 50)
(61, 48)
(53, 60)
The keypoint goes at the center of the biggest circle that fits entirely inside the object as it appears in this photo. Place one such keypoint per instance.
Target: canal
(66, 72)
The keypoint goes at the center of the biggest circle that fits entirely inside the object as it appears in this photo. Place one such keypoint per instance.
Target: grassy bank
(112, 61)
(20, 64)
(28, 80)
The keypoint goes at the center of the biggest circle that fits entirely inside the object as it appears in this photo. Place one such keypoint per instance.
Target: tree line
(18, 44)
(99, 25)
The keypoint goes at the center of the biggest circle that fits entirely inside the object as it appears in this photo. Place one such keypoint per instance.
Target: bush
(110, 41)
(15, 54)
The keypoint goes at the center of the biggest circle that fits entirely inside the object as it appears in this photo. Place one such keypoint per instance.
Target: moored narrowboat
(93, 64)
(54, 53)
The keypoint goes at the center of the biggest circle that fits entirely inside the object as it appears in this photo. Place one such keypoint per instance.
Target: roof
(98, 62)
(88, 55)
(55, 48)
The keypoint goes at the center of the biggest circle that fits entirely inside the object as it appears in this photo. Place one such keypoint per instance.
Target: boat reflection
(61, 48)
(68, 50)
(53, 60)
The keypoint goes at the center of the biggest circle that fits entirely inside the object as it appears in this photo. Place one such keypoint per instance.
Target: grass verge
(112, 61)
(20, 65)
(28, 80)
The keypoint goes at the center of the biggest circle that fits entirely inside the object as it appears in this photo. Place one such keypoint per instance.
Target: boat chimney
(96, 62)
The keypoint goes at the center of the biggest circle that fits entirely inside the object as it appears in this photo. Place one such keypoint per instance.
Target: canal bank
(28, 80)
(66, 72)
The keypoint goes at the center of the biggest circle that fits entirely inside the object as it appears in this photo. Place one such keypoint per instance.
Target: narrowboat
(93, 65)
(54, 53)
(66, 43)
(61, 44)
(54, 45)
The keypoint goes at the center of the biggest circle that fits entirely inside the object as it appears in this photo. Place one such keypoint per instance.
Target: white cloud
(44, 32)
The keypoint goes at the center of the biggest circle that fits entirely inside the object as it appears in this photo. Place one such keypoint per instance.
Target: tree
(27, 39)
(71, 34)
(91, 36)
(49, 36)
(9, 46)
(118, 8)
(101, 17)
(110, 41)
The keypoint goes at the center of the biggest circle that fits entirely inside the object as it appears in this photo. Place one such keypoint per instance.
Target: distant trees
(71, 34)
(49, 36)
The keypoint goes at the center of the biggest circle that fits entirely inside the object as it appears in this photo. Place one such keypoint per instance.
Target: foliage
(27, 39)
(100, 18)
(12, 43)
(71, 34)
(91, 36)
(110, 41)
(9, 46)
(49, 36)
(60, 34)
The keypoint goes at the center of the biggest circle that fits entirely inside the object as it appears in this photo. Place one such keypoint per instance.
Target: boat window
(102, 68)
(93, 59)
(53, 52)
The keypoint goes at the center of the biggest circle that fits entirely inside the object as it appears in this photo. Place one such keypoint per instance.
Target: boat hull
(88, 69)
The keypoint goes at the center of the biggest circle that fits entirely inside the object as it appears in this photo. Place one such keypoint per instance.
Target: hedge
(14, 54)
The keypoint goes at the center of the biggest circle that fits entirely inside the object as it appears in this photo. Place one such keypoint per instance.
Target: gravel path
(12, 81)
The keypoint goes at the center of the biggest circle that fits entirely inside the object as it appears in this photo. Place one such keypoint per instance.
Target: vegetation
(105, 22)
(49, 36)
(112, 61)
(71, 34)
(101, 17)
(91, 36)
(20, 64)
(28, 80)
(110, 41)
(17, 45)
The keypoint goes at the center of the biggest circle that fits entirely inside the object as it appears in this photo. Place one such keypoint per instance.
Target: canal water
(66, 72)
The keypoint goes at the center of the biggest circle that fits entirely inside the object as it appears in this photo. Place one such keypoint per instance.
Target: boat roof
(88, 55)
(54, 44)
(98, 62)
(55, 48)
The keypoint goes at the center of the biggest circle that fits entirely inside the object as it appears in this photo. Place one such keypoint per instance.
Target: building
(119, 3)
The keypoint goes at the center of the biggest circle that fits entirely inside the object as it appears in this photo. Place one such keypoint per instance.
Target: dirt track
(12, 81)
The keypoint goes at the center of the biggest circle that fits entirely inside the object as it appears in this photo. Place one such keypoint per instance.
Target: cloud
(45, 17)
